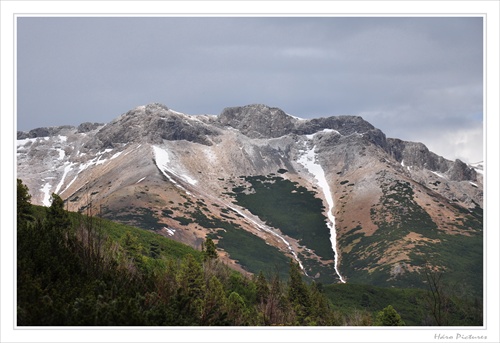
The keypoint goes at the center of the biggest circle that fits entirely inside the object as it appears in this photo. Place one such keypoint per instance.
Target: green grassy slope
(141, 278)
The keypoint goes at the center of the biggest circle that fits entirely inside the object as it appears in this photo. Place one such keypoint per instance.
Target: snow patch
(163, 161)
(69, 184)
(67, 169)
(308, 160)
(176, 112)
(170, 231)
(99, 153)
(322, 131)
(99, 161)
(189, 179)
(403, 165)
(141, 180)
(22, 142)
(131, 150)
(116, 155)
(61, 153)
(84, 166)
(439, 174)
(295, 117)
(46, 194)
(478, 167)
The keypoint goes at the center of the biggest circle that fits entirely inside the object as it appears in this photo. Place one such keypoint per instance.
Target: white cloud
(465, 144)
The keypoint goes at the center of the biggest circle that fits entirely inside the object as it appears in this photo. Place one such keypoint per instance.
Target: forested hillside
(79, 270)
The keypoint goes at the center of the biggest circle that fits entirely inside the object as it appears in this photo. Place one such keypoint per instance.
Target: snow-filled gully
(308, 160)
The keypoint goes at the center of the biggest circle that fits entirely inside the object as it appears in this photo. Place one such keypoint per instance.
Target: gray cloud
(415, 78)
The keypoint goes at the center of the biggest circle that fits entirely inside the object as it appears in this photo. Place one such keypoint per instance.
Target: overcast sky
(415, 78)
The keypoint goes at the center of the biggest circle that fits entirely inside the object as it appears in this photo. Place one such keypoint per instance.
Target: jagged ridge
(204, 157)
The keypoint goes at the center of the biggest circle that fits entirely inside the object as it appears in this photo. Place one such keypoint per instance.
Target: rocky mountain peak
(257, 121)
(153, 123)
(345, 125)
(156, 108)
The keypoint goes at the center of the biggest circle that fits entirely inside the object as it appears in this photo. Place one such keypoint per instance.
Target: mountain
(335, 194)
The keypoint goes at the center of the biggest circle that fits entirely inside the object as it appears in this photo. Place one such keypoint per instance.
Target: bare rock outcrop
(44, 132)
(153, 123)
(257, 121)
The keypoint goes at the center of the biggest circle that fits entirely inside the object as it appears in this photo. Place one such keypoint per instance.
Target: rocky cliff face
(334, 193)
(417, 155)
(257, 121)
(44, 132)
(153, 124)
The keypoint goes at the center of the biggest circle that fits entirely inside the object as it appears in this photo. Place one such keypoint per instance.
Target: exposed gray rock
(88, 126)
(43, 132)
(257, 121)
(155, 108)
(152, 123)
(416, 155)
(345, 125)
(175, 128)
(459, 171)
(377, 137)
(22, 135)
(261, 121)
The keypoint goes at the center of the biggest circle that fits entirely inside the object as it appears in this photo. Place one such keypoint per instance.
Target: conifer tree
(57, 217)
(298, 293)
(58, 225)
(24, 209)
(262, 288)
(214, 304)
(321, 313)
(389, 317)
(209, 250)
(236, 309)
(191, 289)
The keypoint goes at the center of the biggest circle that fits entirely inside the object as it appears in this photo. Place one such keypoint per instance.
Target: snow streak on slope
(46, 194)
(308, 160)
(66, 170)
(213, 159)
(163, 163)
(269, 230)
